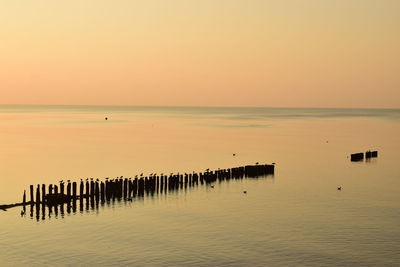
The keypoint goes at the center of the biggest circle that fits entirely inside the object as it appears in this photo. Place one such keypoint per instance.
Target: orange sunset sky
(300, 53)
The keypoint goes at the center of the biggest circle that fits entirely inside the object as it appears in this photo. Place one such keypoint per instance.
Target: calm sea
(295, 218)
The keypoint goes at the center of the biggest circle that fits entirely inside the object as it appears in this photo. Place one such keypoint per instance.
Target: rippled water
(295, 218)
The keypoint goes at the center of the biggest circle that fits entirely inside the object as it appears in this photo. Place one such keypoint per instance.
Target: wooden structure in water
(357, 157)
(94, 191)
(360, 156)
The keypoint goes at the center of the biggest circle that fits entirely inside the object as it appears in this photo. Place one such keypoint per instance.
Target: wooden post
(135, 187)
(74, 190)
(24, 198)
(102, 191)
(69, 190)
(120, 187)
(50, 189)
(43, 193)
(62, 188)
(38, 195)
(125, 188)
(81, 188)
(92, 189)
(31, 193)
(130, 188)
(87, 189)
(55, 189)
(97, 191)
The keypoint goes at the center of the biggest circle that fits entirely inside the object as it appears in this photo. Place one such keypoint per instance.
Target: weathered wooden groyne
(93, 191)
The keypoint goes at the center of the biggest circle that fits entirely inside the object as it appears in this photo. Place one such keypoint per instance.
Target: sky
(299, 53)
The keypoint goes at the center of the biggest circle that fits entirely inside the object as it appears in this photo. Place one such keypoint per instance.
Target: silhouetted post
(87, 189)
(31, 193)
(43, 193)
(81, 188)
(107, 189)
(91, 189)
(69, 190)
(125, 187)
(130, 188)
(141, 187)
(74, 190)
(24, 198)
(120, 187)
(50, 189)
(157, 184)
(62, 188)
(135, 187)
(55, 189)
(102, 191)
(38, 195)
(97, 191)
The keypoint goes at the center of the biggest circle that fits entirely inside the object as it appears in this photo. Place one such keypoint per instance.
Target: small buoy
(106, 118)
(244, 192)
(339, 188)
(234, 154)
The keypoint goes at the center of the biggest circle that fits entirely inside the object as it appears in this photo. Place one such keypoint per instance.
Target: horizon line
(194, 106)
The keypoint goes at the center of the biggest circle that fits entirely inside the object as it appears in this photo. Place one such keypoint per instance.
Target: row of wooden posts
(128, 188)
(360, 156)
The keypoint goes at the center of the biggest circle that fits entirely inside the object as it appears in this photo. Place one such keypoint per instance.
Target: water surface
(295, 218)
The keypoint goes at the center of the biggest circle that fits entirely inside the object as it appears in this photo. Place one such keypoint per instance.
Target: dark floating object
(244, 192)
(371, 154)
(234, 154)
(360, 156)
(357, 157)
(339, 188)
(106, 118)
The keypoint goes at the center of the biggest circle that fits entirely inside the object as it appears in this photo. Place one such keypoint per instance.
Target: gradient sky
(308, 53)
